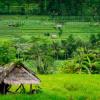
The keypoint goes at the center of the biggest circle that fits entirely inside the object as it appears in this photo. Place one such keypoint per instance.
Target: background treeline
(51, 7)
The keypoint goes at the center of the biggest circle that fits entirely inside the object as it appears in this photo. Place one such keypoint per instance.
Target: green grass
(37, 26)
(58, 86)
(63, 87)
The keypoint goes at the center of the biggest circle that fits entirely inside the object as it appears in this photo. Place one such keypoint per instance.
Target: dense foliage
(51, 7)
(79, 56)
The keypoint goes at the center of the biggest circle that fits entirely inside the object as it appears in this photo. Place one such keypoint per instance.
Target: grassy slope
(64, 87)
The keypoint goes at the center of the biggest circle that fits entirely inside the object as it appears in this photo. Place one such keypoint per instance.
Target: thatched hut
(17, 73)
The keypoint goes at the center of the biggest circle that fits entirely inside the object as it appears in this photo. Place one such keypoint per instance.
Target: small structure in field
(54, 36)
(58, 26)
(17, 74)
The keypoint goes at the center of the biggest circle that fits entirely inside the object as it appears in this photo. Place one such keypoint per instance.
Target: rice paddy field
(63, 87)
(37, 26)
(55, 86)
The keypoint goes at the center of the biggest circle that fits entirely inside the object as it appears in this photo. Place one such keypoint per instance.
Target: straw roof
(1, 73)
(17, 73)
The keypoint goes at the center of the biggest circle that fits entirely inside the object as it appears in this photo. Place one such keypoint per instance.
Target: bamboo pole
(18, 88)
(4, 92)
(30, 88)
(23, 88)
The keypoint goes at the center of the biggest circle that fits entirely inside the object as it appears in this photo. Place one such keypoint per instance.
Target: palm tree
(81, 60)
(41, 53)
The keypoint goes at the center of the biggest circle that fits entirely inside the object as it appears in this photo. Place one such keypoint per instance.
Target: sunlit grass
(63, 87)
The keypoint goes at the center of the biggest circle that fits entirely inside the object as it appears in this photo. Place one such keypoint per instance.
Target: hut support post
(18, 88)
(30, 88)
(4, 90)
(23, 88)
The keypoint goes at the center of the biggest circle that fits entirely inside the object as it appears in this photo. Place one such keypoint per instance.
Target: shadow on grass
(44, 95)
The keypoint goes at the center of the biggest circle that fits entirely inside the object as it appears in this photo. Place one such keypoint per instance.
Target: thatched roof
(1, 73)
(1, 69)
(17, 73)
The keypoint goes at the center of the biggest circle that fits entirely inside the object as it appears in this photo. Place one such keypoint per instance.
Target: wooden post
(30, 88)
(23, 88)
(18, 88)
(4, 91)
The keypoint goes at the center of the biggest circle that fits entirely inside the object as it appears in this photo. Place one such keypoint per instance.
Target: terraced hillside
(35, 26)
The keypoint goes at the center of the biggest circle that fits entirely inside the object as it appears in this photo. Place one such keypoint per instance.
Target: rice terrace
(49, 49)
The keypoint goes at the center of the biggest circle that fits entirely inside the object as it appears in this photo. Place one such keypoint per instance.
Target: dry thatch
(1, 74)
(17, 73)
